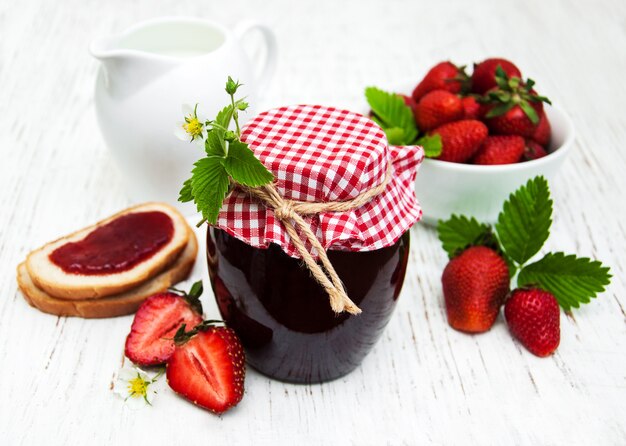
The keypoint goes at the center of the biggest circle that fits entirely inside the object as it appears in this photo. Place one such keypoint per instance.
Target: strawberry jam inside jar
(270, 291)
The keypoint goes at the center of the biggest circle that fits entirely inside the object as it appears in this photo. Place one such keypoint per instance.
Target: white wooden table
(423, 383)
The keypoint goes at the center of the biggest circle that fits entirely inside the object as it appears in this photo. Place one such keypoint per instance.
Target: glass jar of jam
(264, 289)
(282, 315)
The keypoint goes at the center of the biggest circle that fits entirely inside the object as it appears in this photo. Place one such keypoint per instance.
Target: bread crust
(117, 305)
(54, 281)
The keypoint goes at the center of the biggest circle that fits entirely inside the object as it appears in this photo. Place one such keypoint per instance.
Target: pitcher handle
(266, 69)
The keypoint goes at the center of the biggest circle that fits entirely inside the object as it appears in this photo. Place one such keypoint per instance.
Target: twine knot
(290, 213)
(284, 211)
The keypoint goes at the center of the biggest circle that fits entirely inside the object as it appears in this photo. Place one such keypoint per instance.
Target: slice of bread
(111, 306)
(57, 283)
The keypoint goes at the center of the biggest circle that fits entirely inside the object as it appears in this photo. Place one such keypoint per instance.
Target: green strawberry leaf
(222, 121)
(214, 144)
(185, 194)
(431, 144)
(459, 232)
(244, 167)
(380, 123)
(209, 185)
(392, 112)
(224, 116)
(572, 281)
(395, 136)
(524, 223)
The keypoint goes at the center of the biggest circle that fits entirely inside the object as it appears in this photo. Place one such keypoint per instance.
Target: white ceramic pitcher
(148, 72)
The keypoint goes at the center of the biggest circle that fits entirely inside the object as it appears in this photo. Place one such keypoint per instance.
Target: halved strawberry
(208, 367)
(151, 338)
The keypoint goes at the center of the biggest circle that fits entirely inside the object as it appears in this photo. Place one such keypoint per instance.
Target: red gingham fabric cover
(322, 154)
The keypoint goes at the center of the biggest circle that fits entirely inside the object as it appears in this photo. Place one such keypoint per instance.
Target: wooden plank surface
(423, 383)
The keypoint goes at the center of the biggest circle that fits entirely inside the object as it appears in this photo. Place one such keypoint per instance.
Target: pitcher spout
(103, 47)
(126, 70)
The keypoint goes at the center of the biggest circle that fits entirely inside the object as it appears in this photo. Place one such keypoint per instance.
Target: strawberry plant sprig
(522, 228)
(397, 121)
(228, 161)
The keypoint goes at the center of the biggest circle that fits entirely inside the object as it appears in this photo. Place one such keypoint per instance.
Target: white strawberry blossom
(192, 128)
(136, 387)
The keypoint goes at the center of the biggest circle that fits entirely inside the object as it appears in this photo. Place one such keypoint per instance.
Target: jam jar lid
(324, 154)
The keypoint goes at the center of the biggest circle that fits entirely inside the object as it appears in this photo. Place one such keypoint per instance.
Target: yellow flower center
(138, 387)
(193, 126)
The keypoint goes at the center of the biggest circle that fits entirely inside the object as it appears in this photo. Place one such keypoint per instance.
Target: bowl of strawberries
(484, 135)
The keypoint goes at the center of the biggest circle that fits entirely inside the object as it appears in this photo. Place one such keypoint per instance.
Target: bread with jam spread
(120, 304)
(60, 269)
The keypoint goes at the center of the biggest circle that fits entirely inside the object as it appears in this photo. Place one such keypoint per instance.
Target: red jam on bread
(116, 246)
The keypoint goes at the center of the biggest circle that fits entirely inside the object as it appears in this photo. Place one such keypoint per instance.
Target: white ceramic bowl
(445, 188)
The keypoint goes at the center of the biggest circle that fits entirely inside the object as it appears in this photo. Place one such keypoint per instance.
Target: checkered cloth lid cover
(322, 154)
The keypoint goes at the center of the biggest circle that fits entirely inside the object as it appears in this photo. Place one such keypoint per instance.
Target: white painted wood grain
(423, 383)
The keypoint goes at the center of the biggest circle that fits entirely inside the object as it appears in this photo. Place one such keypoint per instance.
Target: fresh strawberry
(500, 150)
(471, 108)
(533, 150)
(436, 108)
(460, 139)
(513, 108)
(484, 75)
(208, 367)
(543, 130)
(514, 122)
(475, 284)
(443, 76)
(533, 317)
(151, 337)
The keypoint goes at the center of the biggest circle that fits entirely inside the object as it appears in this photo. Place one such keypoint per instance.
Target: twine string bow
(291, 213)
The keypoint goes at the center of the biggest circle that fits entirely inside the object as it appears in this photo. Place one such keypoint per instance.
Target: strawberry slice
(208, 367)
(151, 338)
